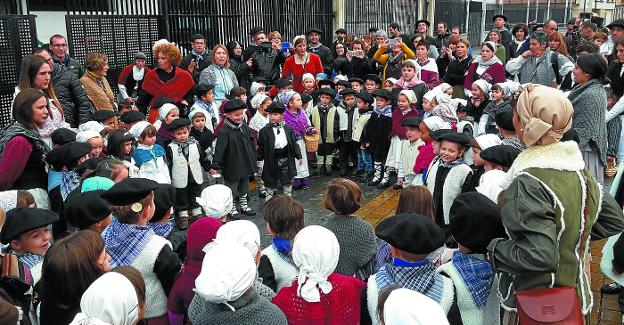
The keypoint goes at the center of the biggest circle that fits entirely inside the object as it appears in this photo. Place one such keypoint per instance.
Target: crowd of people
(500, 158)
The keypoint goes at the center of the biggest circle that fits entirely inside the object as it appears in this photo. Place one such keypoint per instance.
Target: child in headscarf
(425, 151)
(406, 102)
(167, 113)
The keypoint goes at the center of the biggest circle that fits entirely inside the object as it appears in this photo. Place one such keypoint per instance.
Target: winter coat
(266, 64)
(72, 96)
(455, 69)
(325, 54)
(203, 64)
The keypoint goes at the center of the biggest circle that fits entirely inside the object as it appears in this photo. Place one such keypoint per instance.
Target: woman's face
(43, 76)
(461, 50)
(163, 61)
(301, 48)
(104, 70)
(619, 53)
(238, 50)
(486, 53)
(520, 35)
(220, 57)
(554, 45)
(579, 75)
(422, 52)
(103, 262)
(40, 110)
(276, 43)
(340, 50)
(494, 37)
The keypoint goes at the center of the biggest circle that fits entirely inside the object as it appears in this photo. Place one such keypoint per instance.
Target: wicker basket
(611, 169)
(312, 142)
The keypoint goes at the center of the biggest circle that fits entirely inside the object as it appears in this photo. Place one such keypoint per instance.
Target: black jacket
(241, 70)
(326, 57)
(360, 67)
(266, 63)
(72, 96)
(203, 64)
(71, 64)
(441, 40)
(266, 153)
(234, 154)
(456, 70)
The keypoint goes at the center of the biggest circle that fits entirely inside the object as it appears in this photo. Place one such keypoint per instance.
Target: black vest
(34, 174)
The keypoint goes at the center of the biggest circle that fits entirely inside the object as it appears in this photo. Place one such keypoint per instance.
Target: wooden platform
(605, 310)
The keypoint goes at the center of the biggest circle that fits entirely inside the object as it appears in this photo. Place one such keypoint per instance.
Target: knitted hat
(307, 76)
(475, 220)
(200, 233)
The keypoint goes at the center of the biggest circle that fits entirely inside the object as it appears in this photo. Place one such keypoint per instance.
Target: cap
(365, 97)
(55, 159)
(436, 134)
(62, 136)
(178, 123)
(347, 91)
(358, 80)
(325, 91)
(276, 107)
(411, 121)
(22, 220)
(75, 150)
(234, 105)
(343, 83)
(129, 191)
(164, 199)
(411, 232)
(341, 30)
(504, 119)
(255, 30)
(314, 30)
(475, 220)
(616, 23)
(326, 82)
(501, 154)
(284, 82)
(103, 115)
(132, 117)
(382, 93)
(86, 209)
(423, 21)
(459, 138)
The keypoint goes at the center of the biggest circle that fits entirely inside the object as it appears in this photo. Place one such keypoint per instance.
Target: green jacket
(542, 212)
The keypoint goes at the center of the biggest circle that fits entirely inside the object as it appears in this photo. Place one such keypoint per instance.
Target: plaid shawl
(124, 241)
(70, 181)
(477, 274)
(162, 229)
(420, 276)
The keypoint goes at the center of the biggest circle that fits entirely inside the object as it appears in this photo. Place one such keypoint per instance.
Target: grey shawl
(589, 101)
(357, 245)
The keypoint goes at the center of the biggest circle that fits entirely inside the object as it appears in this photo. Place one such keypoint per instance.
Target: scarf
(302, 60)
(396, 58)
(125, 241)
(545, 114)
(162, 229)
(71, 181)
(488, 63)
(297, 121)
(198, 56)
(145, 153)
(137, 74)
(98, 90)
(15, 129)
(477, 275)
(183, 147)
(386, 111)
(452, 164)
(282, 246)
(419, 276)
(402, 84)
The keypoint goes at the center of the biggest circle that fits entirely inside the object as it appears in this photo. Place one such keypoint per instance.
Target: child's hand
(362, 147)
(213, 172)
(400, 181)
(300, 162)
(314, 131)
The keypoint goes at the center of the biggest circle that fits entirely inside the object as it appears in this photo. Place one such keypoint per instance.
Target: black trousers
(185, 197)
(348, 152)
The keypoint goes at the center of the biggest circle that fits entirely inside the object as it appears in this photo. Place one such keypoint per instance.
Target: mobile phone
(285, 47)
(394, 41)
(352, 53)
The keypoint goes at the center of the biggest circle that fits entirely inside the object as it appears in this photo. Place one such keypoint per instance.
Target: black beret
(325, 91)
(56, 159)
(73, 151)
(382, 93)
(305, 98)
(164, 199)
(314, 30)
(201, 89)
(90, 163)
(129, 191)
(459, 138)
(501, 154)
(233, 105)
(411, 232)
(423, 21)
(373, 29)
(411, 121)
(326, 82)
(504, 119)
(475, 220)
(132, 117)
(374, 78)
(347, 91)
(341, 30)
(178, 123)
(435, 135)
(284, 82)
(358, 80)
(22, 220)
(365, 97)
(616, 23)
(103, 115)
(501, 16)
(343, 83)
(85, 209)
(276, 107)
(62, 136)
(259, 79)
(255, 30)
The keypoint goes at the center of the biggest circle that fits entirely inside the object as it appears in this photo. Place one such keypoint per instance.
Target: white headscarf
(410, 94)
(257, 100)
(392, 80)
(487, 140)
(430, 95)
(8, 200)
(241, 232)
(100, 305)
(84, 136)
(315, 252)
(138, 128)
(228, 271)
(164, 110)
(436, 123)
(405, 306)
(491, 184)
(198, 110)
(91, 125)
(216, 200)
(340, 77)
(483, 85)
(307, 76)
(255, 86)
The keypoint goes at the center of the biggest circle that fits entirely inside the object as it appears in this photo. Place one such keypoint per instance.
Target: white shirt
(280, 137)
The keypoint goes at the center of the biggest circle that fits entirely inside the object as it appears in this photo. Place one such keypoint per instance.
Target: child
(167, 113)
(309, 83)
(465, 122)
(129, 241)
(205, 98)
(506, 129)
(234, 156)
(107, 118)
(130, 118)
(425, 152)
(409, 81)
(164, 201)
(72, 155)
(478, 144)
(217, 201)
(498, 159)
(306, 105)
(406, 102)
(62, 136)
(389, 84)
(149, 156)
(409, 152)
(474, 222)
(124, 106)
(278, 148)
(94, 139)
(259, 103)
(357, 84)
(284, 217)
(186, 161)
(282, 85)
(88, 210)
(364, 161)
(376, 136)
(200, 132)
(372, 84)
(498, 103)
(348, 114)
(447, 178)
(120, 147)
(241, 93)
(480, 98)
(440, 104)
(326, 119)
(295, 117)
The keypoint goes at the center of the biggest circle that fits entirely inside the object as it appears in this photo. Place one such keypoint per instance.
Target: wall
(49, 23)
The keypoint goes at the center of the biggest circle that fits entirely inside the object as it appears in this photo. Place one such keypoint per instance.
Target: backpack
(554, 63)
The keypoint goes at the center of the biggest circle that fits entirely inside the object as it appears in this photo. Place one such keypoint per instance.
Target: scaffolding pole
(527, 12)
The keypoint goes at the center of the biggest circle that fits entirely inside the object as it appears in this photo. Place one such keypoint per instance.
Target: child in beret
(326, 119)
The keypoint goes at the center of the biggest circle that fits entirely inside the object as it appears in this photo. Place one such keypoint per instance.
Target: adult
(588, 31)
(300, 63)
(550, 26)
(58, 46)
(341, 38)
(501, 51)
(589, 101)
(572, 35)
(315, 46)
(198, 59)
(358, 63)
(500, 24)
(131, 78)
(394, 31)
(539, 65)
(219, 75)
(427, 67)
(615, 72)
(520, 43)
(241, 68)
(556, 43)
(36, 73)
(442, 35)
(266, 57)
(457, 65)
(617, 33)
(392, 61)
(550, 207)
(167, 80)
(341, 64)
(95, 83)
(69, 91)
(422, 29)
(22, 149)
(487, 67)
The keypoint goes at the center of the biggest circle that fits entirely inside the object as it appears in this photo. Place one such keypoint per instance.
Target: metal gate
(360, 15)
(18, 37)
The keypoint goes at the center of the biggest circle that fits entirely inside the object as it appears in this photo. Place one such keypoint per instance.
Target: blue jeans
(365, 160)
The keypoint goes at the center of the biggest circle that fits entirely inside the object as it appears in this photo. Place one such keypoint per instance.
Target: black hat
(314, 30)
(374, 78)
(501, 154)
(259, 79)
(162, 101)
(233, 105)
(358, 80)
(325, 91)
(411, 121)
(347, 91)
(616, 23)
(90, 164)
(129, 191)
(132, 117)
(305, 98)
(504, 119)
(62, 136)
(536, 26)
(460, 138)
(326, 82)
(201, 89)
(365, 97)
(572, 21)
(71, 152)
(164, 199)
(341, 30)
(86, 208)
(423, 21)
(255, 30)
(22, 220)
(373, 29)
(435, 135)
(178, 123)
(284, 82)
(103, 115)
(411, 232)
(343, 83)
(276, 107)
(475, 220)
(501, 16)
(382, 93)
(56, 159)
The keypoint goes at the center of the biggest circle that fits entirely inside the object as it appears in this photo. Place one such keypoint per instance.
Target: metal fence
(360, 15)
(18, 37)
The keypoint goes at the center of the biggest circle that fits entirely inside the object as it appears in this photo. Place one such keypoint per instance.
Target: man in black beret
(500, 24)
(412, 239)
(62, 136)
(372, 83)
(107, 118)
(504, 124)
(314, 46)
(341, 35)
(499, 157)
(88, 210)
(409, 151)
(422, 29)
